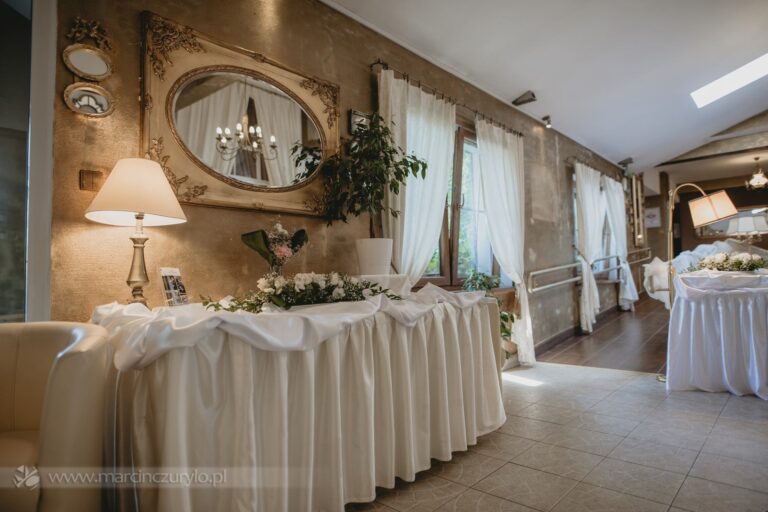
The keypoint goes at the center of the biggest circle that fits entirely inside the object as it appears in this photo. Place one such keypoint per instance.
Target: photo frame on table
(175, 291)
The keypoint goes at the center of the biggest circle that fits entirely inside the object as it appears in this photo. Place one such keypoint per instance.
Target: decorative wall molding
(190, 192)
(83, 29)
(328, 94)
(166, 37)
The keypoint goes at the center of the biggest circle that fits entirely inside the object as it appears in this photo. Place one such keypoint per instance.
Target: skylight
(731, 82)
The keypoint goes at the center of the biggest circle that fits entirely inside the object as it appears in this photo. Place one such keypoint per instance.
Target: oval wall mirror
(245, 130)
(87, 62)
(89, 99)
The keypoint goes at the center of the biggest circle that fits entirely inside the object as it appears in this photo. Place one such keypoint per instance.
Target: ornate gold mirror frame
(171, 53)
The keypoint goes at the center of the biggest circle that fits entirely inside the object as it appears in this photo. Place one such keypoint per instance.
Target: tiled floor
(634, 341)
(581, 439)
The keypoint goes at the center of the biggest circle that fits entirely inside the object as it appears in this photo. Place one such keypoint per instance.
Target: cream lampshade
(749, 225)
(136, 193)
(711, 208)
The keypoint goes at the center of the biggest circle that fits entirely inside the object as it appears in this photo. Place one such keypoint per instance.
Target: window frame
(449, 236)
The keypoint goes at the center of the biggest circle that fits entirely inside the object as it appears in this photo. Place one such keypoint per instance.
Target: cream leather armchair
(53, 390)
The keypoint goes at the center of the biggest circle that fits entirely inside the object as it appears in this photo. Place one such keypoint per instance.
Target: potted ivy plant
(356, 180)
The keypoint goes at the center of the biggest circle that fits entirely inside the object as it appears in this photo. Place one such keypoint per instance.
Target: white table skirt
(718, 333)
(312, 430)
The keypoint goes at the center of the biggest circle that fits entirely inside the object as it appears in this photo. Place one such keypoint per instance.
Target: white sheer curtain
(281, 117)
(422, 125)
(590, 216)
(196, 124)
(503, 185)
(617, 219)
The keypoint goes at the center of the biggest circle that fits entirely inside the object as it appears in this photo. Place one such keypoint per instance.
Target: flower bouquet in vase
(276, 246)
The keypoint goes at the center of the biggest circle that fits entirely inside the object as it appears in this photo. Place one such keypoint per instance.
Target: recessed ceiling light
(733, 81)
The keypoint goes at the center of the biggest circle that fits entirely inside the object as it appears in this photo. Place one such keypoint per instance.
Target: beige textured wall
(90, 262)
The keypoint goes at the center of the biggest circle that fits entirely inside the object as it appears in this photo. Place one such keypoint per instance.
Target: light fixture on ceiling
(731, 82)
(526, 97)
(758, 179)
(626, 162)
(547, 121)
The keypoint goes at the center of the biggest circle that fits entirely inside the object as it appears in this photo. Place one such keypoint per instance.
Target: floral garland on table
(301, 289)
(733, 262)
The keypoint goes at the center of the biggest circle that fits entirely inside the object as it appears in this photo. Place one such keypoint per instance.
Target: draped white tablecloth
(307, 409)
(718, 333)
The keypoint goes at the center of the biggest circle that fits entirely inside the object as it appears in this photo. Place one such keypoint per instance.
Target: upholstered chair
(53, 388)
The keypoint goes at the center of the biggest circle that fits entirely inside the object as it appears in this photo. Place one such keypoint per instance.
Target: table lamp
(136, 193)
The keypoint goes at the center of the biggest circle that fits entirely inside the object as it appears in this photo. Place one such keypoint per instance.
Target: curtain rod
(437, 92)
(571, 160)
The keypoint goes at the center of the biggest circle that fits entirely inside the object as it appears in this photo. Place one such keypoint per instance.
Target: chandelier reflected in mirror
(758, 179)
(245, 140)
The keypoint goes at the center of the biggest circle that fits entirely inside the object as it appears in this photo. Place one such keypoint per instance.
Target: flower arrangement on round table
(301, 289)
(731, 262)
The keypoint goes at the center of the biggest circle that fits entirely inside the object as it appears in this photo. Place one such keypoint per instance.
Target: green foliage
(731, 262)
(356, 180)
(480, 281)
(310, 156)
(301, 289)
(259, 242)
(277, 245)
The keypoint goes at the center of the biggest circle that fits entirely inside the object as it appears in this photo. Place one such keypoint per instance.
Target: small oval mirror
(245, 130)
(87, 61)
(89, 99)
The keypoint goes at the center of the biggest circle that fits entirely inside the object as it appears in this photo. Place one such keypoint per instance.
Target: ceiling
(615, 75)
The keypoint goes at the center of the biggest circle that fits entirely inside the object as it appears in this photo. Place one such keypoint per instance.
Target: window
(464, 243)
(608, 247)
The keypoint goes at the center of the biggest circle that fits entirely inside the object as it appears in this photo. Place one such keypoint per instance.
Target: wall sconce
(547, 121)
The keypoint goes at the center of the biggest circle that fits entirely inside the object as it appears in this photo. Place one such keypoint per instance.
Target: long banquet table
(306, 409)
(718, 333)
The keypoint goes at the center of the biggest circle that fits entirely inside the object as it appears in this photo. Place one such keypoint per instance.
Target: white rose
(268, 290)
(367, 292)
(280, 282)
(338, 293)
(756, 257)
(263, 284)
(744, 257)
(334, 279)
(720, 258)
(354, 280)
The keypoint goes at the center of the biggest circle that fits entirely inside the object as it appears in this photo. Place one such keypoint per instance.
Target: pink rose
(283, 251)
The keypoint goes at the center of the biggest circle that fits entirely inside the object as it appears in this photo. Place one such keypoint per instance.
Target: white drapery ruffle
(617, 219)
(424, 126)
(503, 184)
(590, 216)
(312, 430)
(718, 333)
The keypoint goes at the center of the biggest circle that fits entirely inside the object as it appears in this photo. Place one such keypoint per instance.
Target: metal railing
(532, 276)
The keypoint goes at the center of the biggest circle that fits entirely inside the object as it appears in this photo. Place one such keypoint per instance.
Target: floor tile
(590, 441)
(629, 411)
(699, 495)
(466, 468)
(746, 408)
(660, 456)
(748, 430)
(701, 396)
(680, 405)
(548, 413)
(641, 481)
(561, 461)
(513, 404)
(502, 446)
(476, 501)
(427, 493)
(367, 507)
(529, 487)
(731, 471)
(746, 449)
(528, 428)
(606, 424)
(588, 498)
(671, 435)
(650, 397)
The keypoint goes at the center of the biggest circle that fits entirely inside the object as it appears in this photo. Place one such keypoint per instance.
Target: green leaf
(298, 239)
(259, 242)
